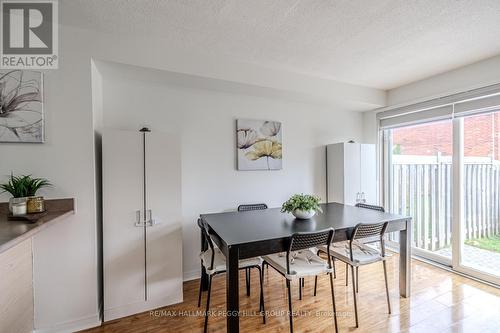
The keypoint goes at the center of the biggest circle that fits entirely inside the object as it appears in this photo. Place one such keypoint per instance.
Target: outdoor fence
(421, 188)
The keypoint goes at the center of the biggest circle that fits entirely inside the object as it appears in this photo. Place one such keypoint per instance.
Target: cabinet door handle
(149, 221)
(138, 219)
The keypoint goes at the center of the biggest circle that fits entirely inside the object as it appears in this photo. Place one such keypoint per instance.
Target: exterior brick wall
(481, 138)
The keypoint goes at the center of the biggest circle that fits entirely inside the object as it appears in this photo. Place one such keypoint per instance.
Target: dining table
(242, 235)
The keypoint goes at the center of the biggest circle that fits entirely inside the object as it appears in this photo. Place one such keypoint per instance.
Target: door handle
(150, 221)
(138, 220)
(147, 221)
(141, 222)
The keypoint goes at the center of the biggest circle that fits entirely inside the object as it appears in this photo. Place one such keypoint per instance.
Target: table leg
(232, 290)
(405, 260)
(204, 275)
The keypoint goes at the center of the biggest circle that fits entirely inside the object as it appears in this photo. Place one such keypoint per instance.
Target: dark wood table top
(13, 232)
(237, 228)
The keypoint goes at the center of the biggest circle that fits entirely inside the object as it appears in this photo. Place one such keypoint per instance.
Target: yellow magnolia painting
(259, 144)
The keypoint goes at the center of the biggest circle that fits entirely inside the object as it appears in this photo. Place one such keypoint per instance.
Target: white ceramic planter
(13, 201)
(303, 215)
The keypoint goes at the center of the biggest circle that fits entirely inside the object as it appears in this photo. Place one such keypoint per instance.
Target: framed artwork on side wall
(21, 106)
(259, 144)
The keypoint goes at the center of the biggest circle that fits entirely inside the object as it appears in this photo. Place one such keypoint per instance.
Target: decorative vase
(303, 214)
(36, 205)
(16, 201)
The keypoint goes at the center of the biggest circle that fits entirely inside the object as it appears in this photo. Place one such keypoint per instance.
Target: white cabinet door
(123, 243)
(142, 266)
(335, 172)
(164, 238)
(352, 184)
(368, 171)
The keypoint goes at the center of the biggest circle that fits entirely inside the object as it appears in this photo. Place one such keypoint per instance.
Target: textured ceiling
(381, 44)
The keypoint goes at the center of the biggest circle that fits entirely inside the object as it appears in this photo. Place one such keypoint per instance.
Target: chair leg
(262, 307)
(289, 304)
(346, 274)
(199, 293)
(315, 284)
(303, 282)
(333, 304)
(247, 276)
(334, 270)
(354, 296)
(300, 288)
(208, 303)
(357, 279)
(387, 287)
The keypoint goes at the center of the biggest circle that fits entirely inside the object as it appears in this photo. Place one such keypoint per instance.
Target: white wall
(473, 76)
(477, 75)
(66, 258)
(204, 121)
(65, 275)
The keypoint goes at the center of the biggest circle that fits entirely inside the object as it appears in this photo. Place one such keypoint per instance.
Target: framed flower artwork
(259, 144)
(21, 106)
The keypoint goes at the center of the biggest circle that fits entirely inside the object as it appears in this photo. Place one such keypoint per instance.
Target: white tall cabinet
(351, 173)
(142, 235)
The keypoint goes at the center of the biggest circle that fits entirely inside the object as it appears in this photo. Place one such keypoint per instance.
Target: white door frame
(457, 204)
(385, 194)
(458, 231)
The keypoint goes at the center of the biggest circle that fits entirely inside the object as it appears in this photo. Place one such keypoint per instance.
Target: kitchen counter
(14, 232)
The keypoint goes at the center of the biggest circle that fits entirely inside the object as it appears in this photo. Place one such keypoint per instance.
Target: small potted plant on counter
(302, 206)
(23, 190)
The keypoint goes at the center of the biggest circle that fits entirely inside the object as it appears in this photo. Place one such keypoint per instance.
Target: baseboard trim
(134, 308)
(72, 326)
(191, 275)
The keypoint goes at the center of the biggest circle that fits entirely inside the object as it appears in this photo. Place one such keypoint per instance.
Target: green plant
(396, 150)
(304, 202)
(24, 185)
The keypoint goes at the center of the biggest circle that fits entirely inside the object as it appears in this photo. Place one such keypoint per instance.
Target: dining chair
(300, 261)
(214, 262)
(355, 253)
(246, 208)
(366, 241)
(368, 206)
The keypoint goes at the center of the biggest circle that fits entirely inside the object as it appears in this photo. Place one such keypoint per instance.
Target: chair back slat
(305, 240)
(246, 208)
(366, 230)
(205, 233)
(373, 207)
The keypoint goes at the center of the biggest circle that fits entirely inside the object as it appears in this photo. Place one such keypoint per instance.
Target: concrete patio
(474, 257)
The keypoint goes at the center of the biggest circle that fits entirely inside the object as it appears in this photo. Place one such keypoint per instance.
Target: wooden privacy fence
(421, 186)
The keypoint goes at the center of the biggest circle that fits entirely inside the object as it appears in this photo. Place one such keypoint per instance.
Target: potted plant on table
(23, 190)
(302, 206)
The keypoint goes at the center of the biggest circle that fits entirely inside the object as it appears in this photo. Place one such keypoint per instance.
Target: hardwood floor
(440, 302)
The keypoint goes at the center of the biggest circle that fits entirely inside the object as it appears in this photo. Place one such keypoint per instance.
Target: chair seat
(362, 254)
(220, 261)
(302, 263)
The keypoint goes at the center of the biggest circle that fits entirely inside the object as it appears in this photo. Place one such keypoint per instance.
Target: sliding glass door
(419, 174)
(446, 175)
(478, 144)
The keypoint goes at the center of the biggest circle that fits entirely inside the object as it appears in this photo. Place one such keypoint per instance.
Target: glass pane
(420, 162)
(481, 172)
